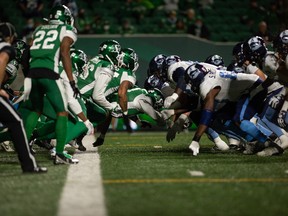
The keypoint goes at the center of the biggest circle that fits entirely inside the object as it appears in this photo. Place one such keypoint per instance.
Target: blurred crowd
(263, 18)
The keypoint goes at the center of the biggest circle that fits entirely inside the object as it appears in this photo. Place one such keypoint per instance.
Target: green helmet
(128, 59)
(157, 98)
(109, 50)
(19, 46)
(61, 14)
(79, 59)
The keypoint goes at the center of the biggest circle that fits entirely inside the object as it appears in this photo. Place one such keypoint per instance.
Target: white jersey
(232, 85)
(172, 68)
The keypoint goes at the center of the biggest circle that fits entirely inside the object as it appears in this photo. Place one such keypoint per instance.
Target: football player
(124, 78)
(51, 42)
(9, 116)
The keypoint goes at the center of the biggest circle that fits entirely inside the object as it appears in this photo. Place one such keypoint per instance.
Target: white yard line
(83, 192)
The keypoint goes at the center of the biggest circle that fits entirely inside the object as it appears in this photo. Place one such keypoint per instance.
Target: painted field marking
(83, 192)
(197, 180)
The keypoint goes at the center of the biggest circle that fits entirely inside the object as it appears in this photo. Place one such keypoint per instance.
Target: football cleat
(98, 142)
(7, 146)
(81, 148)
(249, 148)
(36, 170)
(43, 144)
(65, 159)
(270, 151)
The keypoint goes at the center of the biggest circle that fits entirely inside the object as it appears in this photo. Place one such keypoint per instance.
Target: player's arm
(122, 94)
(65, 56)
(206, 114)
(100, 85)
(147, 108)
(253, 69)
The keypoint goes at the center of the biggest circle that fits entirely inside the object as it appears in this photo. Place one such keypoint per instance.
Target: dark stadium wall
(147, 46)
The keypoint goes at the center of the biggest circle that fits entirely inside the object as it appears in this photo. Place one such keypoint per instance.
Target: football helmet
(255, 49)
(61, 14)
(280, 44)
(169, 60)
(157, 98)
(215, 60)
(7, 30)
(128, 58)
(155, 64)
(194, 75)
(109, 50)
(19, 46)
(79, 60)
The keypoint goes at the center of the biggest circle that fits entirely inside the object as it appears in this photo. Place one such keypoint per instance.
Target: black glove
(75, 89)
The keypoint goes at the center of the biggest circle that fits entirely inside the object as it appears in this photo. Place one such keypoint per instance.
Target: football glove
(117, 111)
(90, 127)
(194, 147)
(75, 89)
(275, 101)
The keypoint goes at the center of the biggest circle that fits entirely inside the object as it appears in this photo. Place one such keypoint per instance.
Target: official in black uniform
(8, 115)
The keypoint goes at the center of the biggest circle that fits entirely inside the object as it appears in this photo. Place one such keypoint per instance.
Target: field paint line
(83, 192)
(197, 180)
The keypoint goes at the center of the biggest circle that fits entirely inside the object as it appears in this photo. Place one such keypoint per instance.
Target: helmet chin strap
(110, 60)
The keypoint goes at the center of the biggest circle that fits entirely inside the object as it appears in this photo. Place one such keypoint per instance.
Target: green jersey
(45, 50)
(94, 80)
(119, 76)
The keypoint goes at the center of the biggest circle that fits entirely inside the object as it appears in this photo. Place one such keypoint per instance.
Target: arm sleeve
(73, 103)
(148, 109)
(98, 95)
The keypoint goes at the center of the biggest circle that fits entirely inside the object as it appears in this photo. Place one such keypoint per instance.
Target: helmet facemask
(194, 76)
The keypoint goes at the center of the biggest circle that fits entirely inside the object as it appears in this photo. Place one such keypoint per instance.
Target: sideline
(83, 192)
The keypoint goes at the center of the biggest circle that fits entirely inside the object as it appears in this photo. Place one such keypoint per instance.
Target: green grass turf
(29, 194)
(140, 178)
(145, 175)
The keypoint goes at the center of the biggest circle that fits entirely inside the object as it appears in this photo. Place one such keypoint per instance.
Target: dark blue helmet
(155, 64)
(216, 60)
(238, 53)
(255, 49)
(280, 44)
(194, 75)
(169, 60)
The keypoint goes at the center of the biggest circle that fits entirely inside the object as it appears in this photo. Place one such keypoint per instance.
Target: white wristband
(174, 96)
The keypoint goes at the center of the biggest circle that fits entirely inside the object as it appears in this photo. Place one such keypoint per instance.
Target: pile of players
(245, 101)
(66, 96)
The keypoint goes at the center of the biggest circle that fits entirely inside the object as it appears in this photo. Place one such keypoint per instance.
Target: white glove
(277, 99)
(169, 100)
(90, 127)
(166, 114)
(117, 111)
(194, 146)
(27, 88)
